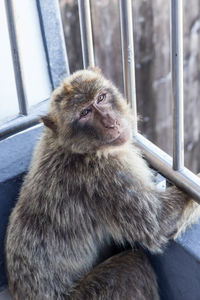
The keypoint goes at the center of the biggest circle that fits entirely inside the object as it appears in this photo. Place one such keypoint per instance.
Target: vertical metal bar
(177, 83)
(126, 22)
(86, 33)
(23, 109)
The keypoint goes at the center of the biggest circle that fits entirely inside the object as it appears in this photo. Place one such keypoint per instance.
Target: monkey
(88, 188)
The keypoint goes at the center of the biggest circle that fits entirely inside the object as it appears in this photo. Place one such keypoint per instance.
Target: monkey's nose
(109, 122)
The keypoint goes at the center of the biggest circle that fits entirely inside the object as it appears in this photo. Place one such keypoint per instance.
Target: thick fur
(79, 197)
(129, 270)
(190, 216)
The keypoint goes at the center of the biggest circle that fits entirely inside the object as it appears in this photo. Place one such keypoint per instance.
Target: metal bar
(86, 33)
(22, 122)
(23, 108)
(161, 161)
(18, 124)
(177, 83)
(54, 43)
(126, 22)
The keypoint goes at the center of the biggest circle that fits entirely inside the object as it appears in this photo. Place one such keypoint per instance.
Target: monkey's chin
(124, 137)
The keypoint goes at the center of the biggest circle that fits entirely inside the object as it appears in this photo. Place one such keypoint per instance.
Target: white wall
(32, 56)
(31, 50)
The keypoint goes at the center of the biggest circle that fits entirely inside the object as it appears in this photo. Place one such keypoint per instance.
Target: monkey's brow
(84, 96)
(81, 100)
(89, 95)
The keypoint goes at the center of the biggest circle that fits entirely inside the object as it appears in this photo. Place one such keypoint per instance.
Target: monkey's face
(90, 113)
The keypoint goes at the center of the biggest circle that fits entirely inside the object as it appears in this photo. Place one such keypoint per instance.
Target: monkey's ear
(95, 69)
(49, 122)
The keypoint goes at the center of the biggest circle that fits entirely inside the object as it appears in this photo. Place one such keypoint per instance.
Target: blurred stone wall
(152, 58)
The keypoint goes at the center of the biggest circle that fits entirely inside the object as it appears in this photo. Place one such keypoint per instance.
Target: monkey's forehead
(83, 86)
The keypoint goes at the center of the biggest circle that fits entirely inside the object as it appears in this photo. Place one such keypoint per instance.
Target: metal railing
(173, 169)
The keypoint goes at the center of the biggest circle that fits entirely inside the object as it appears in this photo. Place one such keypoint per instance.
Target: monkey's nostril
(117, 123)
(109, 126)
(114, 125)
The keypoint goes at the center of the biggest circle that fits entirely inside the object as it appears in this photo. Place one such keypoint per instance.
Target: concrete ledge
(16, 153)
(190, 241)
(5, 295)
(178, 273)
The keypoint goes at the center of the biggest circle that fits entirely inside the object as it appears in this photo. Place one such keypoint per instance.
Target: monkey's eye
(101, 98)
(85, 112)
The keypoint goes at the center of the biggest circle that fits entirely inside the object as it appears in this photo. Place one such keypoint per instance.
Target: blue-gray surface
(15, 155)
(8, 191)
(190, 240)
(5, 295)
(178, 273)
(178, 268)
(16, 152)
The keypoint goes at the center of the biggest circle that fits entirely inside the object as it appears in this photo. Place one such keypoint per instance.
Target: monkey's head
(88, 113)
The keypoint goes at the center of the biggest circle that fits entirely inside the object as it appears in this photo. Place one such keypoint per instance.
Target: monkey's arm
(148, 216)
(190, 215)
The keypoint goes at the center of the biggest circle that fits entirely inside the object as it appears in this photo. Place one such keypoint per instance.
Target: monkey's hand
(190, 216)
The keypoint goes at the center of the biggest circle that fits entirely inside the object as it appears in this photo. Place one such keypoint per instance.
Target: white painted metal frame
(173, 169)
(22, 100)
(56, 55)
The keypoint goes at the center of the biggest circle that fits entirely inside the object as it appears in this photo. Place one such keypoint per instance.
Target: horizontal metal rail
(86, 33)
(17, 125)
(161, 161)
(23, 122)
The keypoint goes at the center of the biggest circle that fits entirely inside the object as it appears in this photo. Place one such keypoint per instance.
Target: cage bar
(126, 22)
(86, 33)
(23, 109)
(177, 83)
(162, 162)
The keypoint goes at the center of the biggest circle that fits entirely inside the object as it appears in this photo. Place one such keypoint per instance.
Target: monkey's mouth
(123, 136)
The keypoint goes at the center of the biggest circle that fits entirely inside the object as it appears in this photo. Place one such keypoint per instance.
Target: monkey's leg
(126, 276)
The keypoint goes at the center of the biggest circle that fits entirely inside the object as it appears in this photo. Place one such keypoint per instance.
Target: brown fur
(81, 195)
(190, 216)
